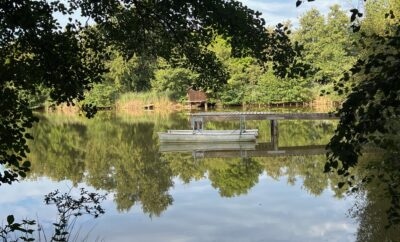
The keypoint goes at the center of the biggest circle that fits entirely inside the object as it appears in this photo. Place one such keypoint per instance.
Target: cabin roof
(196, 96)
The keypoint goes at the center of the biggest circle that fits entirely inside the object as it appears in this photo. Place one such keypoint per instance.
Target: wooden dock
(198, 119)
(227, 116)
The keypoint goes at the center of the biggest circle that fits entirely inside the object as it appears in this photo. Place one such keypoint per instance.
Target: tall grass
(138, 100)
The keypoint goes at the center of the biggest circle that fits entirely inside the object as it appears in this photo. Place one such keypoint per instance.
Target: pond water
(181, 196)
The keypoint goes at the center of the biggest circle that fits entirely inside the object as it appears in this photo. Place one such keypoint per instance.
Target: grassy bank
(134, 101)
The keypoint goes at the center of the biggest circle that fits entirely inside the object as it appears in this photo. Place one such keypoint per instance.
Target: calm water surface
(186, 195)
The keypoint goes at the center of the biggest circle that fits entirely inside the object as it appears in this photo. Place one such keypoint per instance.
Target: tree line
(323, 42)
(326, 48)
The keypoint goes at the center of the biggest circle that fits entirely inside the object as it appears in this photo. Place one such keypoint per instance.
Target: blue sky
(275, 11)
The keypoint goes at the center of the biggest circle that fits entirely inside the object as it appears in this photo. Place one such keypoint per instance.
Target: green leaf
(26, 164)
(22, 174)
(28, 136)
(10, 219)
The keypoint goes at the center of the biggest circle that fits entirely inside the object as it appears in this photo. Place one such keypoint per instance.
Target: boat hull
(206, 146)
(217, 136)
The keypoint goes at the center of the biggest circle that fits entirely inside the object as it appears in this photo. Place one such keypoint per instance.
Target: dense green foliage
(175, 81)
(325, 46)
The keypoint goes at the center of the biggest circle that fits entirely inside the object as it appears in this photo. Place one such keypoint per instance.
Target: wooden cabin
(196, 98)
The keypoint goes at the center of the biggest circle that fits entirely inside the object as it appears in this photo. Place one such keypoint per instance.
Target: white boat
(217, 136)
(205, 146)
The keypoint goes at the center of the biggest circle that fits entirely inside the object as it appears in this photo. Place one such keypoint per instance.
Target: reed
(138, 100)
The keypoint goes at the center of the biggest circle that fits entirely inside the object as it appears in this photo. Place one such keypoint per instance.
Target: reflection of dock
(230, 150)
(266, 150)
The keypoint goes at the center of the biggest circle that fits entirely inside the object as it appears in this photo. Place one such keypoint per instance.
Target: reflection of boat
(208, 135)
(206, 146)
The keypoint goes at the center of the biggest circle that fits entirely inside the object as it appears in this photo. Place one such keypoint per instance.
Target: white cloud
(331, 230)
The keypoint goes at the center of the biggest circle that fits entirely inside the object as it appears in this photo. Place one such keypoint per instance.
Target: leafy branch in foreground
(13, 227)
(370, 114)
(68, 208)
(372, 105)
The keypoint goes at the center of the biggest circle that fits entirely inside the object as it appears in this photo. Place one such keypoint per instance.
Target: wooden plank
(227, 116)
(212, 132)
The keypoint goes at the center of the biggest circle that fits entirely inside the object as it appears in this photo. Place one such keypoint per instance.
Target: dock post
(197, 124)
(274, 133)
(205, 106)
(242, 123)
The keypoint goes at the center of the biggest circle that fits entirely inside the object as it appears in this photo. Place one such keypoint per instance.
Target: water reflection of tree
(184, 166)
(120, 155)
(306, 168)
(372, 218)
(58, 151)
(115, 156)
(237, 178)
(377, 207)
(129, 157)
(231, 177)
